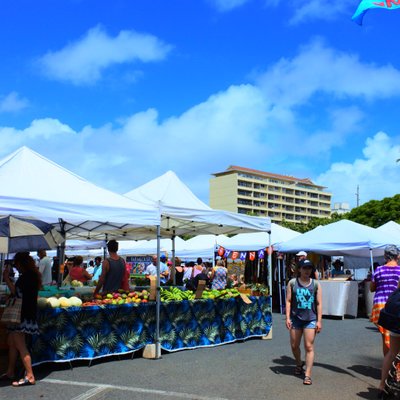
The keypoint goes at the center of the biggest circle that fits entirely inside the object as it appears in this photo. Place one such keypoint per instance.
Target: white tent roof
(200, 246)
(392, 229)
(149, 247)
(205, 241)
(183, 213)
(259, 240)
(340, 238)
(32, 185)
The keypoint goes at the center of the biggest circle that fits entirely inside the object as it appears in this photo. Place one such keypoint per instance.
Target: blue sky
(122, 91)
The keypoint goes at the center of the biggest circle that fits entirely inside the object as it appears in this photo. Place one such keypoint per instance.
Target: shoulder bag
(12, 312)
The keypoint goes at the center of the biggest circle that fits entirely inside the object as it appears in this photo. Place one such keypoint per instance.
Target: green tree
(374, 213)
(377, 212)
(313, 223)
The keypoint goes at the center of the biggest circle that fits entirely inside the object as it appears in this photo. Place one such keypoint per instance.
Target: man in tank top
(113, 270)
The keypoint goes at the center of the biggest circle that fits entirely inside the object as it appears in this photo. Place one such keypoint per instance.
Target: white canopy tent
(35, 186)
(200, 246)
(259, 240)
(148, 247)
(338, 239)
(183, 213)
(81, 247)
(392, 229)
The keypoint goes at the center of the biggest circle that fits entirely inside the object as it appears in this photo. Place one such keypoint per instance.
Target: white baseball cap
(301, 253)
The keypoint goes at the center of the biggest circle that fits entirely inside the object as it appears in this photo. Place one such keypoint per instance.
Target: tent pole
(278, 262)
(61, 253)
(270, 265)
(283, 289)
(1, 266)
(173, 270)
(105, 247)
(158, 299)
(372, 260)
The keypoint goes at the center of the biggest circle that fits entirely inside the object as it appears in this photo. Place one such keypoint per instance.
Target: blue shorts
(299, 324)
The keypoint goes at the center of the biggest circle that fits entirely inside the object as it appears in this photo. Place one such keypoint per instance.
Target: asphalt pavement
(347, 366)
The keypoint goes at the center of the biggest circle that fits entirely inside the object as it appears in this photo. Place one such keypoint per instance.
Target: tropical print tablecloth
(98, 331)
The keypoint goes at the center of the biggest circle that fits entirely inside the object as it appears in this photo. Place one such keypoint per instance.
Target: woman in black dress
(26, 287)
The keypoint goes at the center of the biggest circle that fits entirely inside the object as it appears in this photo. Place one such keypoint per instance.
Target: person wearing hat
(302, 256)
(304, 317)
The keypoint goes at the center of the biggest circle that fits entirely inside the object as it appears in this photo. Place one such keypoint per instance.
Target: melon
(75, 301)
(64, 302)
(54, 302)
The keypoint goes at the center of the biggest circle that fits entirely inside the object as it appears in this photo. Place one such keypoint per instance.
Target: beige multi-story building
(279, 197)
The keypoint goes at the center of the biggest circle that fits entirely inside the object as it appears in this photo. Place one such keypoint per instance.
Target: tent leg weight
(269, 336)
(149, 352)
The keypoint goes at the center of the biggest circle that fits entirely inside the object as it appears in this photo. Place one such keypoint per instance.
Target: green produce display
(176, 294)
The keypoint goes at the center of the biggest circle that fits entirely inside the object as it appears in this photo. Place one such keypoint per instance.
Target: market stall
(82, 210)
(342, 238)
(88, 333)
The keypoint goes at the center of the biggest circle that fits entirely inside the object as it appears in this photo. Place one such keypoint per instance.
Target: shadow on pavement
(288, 365)
(371, 394)
(367, 371)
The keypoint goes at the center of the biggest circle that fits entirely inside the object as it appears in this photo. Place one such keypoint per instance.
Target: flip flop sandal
(299, 369)
(23, 382)
(307, 380)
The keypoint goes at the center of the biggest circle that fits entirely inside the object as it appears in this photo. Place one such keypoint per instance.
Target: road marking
(101, 387)
(91, 393)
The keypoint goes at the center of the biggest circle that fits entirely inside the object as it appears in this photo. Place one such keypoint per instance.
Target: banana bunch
(175, 294)
(220, 294)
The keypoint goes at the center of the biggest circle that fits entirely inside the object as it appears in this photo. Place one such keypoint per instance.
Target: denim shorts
(299, 324)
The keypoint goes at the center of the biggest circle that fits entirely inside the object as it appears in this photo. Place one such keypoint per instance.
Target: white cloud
(12, 102)
(227, 5)
(307, 10)
(84, 61)
(377, 174)
(319, 68)
(225, 128)
(272, 125)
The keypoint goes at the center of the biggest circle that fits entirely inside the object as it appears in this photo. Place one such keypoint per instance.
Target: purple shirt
(386, 280)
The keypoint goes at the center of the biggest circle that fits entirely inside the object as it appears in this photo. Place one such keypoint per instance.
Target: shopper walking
(26, 288)
(304, 317)
(384, 282)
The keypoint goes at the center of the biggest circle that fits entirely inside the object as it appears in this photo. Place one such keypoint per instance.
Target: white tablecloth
(339, 298)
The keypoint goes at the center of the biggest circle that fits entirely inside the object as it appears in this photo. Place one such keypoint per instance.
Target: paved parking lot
(347, 367)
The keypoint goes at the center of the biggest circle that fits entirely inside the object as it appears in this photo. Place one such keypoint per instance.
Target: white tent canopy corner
(392, 229)
(84, 210)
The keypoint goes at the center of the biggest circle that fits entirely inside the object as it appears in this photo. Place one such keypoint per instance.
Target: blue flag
(365, 5)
